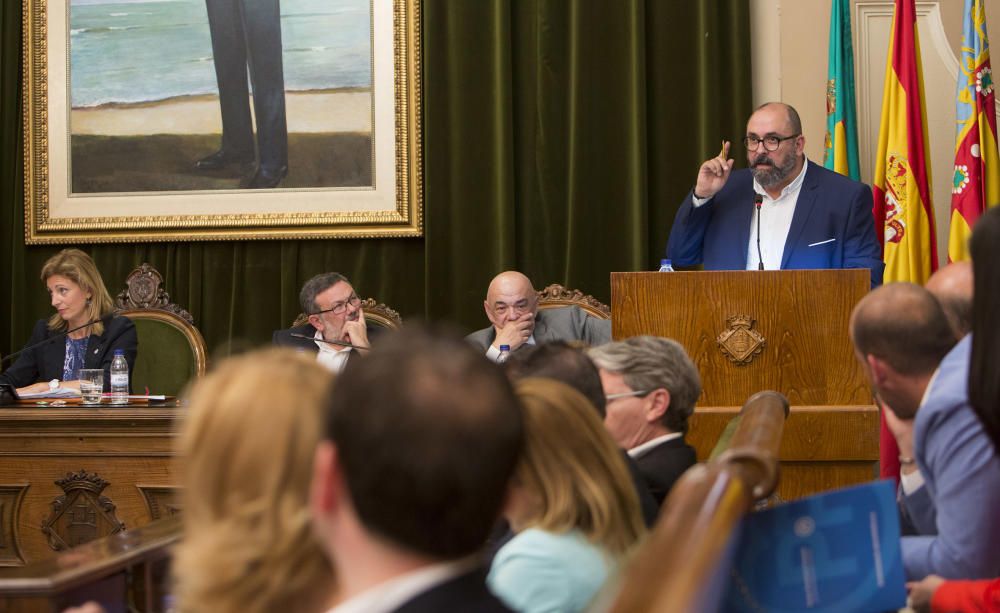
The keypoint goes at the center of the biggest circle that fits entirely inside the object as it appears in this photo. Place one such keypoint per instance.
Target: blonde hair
(246, 452)
(78, 267)
(573, 468)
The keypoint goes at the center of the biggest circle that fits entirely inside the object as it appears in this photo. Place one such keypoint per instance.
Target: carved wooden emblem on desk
(11, 497)
(739, 341)
(81, 514)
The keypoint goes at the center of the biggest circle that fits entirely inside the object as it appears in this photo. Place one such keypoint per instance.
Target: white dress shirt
(640, 450)
(331, 357)
(391, 594)
(775, 221)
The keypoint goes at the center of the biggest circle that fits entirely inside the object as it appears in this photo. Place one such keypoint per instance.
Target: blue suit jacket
(955, 510)
(830, 206)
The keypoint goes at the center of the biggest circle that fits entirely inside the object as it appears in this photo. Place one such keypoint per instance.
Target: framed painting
(171, 120)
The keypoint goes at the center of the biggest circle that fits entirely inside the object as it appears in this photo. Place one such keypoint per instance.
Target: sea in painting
(145, 105)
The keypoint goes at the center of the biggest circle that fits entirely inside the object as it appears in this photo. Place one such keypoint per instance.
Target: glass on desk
(91, 385)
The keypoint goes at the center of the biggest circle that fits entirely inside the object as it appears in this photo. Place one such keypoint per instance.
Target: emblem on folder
(81, 514)
(739, 341)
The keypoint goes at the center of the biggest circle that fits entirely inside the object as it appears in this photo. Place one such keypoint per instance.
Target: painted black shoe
(221, 160)
(264, 178)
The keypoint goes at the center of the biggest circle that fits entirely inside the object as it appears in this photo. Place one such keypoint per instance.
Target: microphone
(323, 340)
(53, 339)
(758, 200)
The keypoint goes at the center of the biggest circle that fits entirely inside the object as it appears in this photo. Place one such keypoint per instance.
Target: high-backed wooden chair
(555, 296)
(171, 349)
(376, 313)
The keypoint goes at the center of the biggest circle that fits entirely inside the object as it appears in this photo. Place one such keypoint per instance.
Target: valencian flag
(841, 122)
(902, 208)
(976, 183)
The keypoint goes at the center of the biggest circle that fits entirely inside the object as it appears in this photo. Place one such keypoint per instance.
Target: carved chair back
(556, 296)
(171, 349)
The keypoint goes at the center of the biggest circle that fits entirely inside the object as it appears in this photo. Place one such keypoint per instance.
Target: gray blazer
(955, 510)
(563, 324)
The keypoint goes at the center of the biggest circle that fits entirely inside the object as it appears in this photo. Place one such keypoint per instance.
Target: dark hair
(562, 362)
(428, 433)
(984, 365)
(315, 286)
(903, 324)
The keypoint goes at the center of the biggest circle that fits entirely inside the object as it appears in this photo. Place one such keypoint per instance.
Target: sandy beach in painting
(308, 112)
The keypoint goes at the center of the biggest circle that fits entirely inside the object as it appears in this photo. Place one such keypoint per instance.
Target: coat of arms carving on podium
(739, 341)
(81, 514)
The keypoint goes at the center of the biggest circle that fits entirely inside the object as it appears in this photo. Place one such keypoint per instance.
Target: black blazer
(466, 593)
(45, 363)
(284, 338)
(664, 464)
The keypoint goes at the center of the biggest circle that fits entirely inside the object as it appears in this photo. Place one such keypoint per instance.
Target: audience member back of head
(422, 437)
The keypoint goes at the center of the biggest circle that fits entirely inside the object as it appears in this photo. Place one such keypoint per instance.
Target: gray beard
(771, 176)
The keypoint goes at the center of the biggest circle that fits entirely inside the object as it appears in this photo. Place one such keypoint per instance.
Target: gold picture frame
(391, 206)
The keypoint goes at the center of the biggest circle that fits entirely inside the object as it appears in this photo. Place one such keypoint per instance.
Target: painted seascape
(147, 114)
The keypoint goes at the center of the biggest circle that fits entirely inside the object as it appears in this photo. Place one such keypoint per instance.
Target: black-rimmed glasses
(771, 142)
(340, 307)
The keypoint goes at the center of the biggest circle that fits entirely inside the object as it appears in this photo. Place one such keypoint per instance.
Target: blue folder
(837, 551)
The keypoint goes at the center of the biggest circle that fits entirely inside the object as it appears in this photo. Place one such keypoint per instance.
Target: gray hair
(316, 286)
(648, 363)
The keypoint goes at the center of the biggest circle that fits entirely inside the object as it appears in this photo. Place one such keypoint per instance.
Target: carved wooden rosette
(143, 291)
(81, 514)
(739, 341)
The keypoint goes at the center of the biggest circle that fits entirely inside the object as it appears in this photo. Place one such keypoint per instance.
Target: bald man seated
(952, 286)
(511, 305)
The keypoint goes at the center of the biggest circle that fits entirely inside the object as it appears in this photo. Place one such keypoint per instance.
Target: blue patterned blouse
(76, 351)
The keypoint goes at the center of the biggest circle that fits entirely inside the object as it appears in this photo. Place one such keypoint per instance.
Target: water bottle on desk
(665, 266)
(504, 354)
(119, 378)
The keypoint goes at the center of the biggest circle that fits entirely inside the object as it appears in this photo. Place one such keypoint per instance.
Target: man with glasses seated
(806, 217)
(511, 305)
(336, 328)
(650, 389)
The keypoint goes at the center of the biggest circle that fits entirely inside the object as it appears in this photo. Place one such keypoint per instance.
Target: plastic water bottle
(665, 266)
(119, 378)
(504, 354)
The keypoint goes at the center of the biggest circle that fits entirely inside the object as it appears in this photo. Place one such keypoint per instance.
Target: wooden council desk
(69, 475)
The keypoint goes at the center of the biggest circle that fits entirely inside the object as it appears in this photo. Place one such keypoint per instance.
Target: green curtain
(560, 137)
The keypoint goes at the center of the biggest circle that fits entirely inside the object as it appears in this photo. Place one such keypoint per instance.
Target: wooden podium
(783, 330)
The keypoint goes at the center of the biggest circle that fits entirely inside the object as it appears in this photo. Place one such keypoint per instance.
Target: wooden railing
(127, 571)
(679, 566)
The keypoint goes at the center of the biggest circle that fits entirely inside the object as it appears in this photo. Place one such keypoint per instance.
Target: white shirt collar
(331, 357)
(390, 595)
(643, 449)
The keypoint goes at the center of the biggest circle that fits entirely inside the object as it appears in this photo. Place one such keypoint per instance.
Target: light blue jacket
(539, 572)
(957, 511)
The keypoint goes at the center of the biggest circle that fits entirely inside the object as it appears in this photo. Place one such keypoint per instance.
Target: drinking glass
(91, 385)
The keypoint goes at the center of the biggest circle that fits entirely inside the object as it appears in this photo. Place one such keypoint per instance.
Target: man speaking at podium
(783, 212)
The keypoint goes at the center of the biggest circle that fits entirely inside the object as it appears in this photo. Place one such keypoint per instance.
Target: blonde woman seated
(571, 504)
(246, 451)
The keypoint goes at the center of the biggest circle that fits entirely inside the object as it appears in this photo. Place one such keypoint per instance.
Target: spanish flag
(976, 181)
(902, 182)
(841, 153)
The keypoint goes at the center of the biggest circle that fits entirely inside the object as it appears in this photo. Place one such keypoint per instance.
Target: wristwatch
(53, 385)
